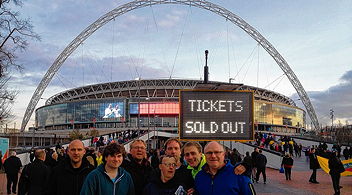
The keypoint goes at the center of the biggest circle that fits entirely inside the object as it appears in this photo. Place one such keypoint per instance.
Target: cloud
(82, 70)
(337, 97)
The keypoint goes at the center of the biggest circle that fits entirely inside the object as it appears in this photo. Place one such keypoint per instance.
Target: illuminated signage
(155, 108)
(112, 110)
(216, 115)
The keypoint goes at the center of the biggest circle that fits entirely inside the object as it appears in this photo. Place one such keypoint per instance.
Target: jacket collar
(119, 176)
(207, 169)
(68, 166)
(203, 161)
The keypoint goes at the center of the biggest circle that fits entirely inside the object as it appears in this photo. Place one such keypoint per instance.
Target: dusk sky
(162, 41)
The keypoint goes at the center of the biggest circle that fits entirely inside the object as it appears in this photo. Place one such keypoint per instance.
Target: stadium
(155, 104)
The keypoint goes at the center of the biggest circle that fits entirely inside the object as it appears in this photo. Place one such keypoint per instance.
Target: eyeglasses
(139, 147)
(169, 164)
(214, 152)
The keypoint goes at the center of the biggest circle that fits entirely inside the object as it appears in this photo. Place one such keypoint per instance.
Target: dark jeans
(11, 179)
(260, 170)
(288, 173)
(313, 177)
(336, 182)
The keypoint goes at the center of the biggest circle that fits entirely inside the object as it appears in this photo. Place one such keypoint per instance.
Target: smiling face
(167, 168)
(113, 161)
(192, 156)
(138, 150)
(215, 155)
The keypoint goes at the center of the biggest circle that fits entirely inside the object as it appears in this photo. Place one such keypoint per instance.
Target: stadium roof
(159, 88)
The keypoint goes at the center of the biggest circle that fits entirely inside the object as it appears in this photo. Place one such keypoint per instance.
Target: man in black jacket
(12, 167)
(137, 165)
(35, 176)
(260, 163)
(314, 165)
(68, 177)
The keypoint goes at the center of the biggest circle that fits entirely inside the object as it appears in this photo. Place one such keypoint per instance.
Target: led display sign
(216, 115)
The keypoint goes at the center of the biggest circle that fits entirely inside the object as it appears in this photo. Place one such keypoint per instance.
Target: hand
(190, 191)
(240, 169)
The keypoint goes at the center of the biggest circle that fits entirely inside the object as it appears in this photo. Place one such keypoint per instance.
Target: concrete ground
(277, 184)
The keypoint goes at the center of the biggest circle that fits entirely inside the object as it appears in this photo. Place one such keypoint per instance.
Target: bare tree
(14, 35)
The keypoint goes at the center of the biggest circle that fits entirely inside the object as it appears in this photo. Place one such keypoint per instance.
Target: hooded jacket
(98, 182)
(65, 180)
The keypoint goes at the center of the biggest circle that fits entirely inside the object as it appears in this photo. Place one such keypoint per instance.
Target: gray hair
(13, 153)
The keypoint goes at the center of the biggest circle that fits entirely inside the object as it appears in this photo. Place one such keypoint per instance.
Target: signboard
(216, 115)
(4, 146)
(112, 110)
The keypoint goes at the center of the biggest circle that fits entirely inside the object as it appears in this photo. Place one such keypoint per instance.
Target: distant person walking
(346, 153)
(336, 168)
(12, 167)
(261, 164)
(254, 166)
(287, 164)
(314, 165)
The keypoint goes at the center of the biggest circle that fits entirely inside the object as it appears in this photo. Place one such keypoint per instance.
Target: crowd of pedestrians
(281, 144)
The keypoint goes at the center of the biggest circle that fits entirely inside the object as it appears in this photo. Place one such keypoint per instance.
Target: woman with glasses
(163, 182)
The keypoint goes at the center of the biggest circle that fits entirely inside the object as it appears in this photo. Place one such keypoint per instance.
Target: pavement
(277, 184)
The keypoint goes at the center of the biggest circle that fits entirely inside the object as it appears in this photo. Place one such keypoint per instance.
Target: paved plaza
(277, 184)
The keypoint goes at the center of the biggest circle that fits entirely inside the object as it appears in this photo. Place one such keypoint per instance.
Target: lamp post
(33, 137)
(332, 118)
(148, 123)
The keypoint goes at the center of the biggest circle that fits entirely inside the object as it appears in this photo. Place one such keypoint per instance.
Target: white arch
(144, 3)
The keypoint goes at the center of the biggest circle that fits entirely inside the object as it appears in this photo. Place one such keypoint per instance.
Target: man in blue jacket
(109, 177)
(217, 176)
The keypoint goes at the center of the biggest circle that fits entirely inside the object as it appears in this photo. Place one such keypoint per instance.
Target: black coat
(288, 161)
(184, 175)
(254, 157)
(157, 187)
(140, 172)
(65, 180)
(313, 161)
(335, 166)
(260, 161)
(36, 176)
(12, 165)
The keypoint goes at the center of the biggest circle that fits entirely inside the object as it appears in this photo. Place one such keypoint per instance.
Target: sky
(164, 41)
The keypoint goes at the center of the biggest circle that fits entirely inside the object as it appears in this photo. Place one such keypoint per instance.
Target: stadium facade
(155, 102)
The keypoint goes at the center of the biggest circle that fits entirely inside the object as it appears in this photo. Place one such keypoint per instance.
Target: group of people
(335, 165)
(198, 171)
(282, 144)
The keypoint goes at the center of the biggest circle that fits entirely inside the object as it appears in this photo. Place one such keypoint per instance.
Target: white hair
(13, 153)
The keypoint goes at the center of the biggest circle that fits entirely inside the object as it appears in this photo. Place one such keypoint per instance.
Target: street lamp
(332, 117)
(148, 122)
